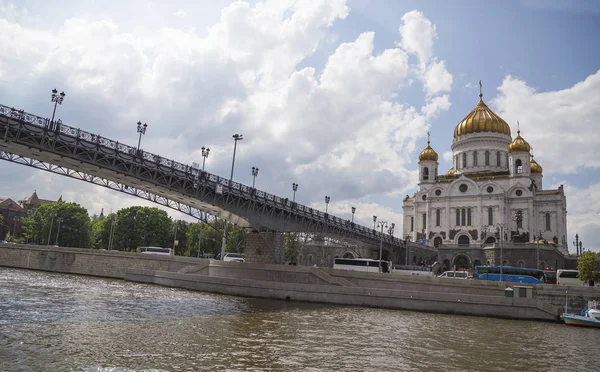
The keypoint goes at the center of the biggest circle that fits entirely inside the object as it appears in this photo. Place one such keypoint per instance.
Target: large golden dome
(519, 144)
(534, 166)
(481, 119)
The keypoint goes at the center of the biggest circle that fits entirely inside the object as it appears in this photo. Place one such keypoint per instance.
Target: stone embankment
(301, 283)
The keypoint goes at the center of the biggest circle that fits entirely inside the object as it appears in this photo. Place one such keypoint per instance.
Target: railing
(59, 128)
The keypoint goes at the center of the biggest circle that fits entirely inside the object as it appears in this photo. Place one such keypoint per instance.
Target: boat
(589, 317)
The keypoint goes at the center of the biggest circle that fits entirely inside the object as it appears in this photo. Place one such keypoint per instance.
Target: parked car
(234, 257)
(456, 274)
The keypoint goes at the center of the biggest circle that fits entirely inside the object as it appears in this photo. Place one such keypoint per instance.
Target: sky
(334, 95)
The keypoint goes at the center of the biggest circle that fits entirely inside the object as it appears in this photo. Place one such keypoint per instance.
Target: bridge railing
(232, 186)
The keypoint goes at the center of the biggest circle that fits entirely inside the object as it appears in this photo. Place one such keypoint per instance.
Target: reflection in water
(55, 322)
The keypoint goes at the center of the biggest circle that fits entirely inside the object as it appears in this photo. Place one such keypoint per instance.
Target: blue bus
(510, 274)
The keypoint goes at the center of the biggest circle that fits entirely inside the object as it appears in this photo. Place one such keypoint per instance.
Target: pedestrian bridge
(52, 146)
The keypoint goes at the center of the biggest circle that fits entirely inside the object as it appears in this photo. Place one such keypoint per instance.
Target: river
(58, 322)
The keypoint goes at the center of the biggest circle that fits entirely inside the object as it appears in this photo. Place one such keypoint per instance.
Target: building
(33, 202)
(12, 213)
(492, 194)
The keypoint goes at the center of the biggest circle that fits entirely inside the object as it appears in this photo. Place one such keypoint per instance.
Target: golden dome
(481, 119)
(534, 166)
(450, 172)
(519, 144)
(428, 153)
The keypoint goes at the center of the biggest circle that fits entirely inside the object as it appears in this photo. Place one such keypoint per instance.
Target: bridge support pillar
(264, 247)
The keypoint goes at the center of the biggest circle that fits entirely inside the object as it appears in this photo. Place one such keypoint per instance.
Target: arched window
(412, 223)
(548, 222)
(425, 173)
(463, 215)
(438, 217)
(474, 158)
(468, 216)
(457, 217)
(519, 219)
(487, 158)
(414, 259)
(498, 158)
(490, 216)
(518, 166)
(424, 222)
(521, 263)
(464, 160)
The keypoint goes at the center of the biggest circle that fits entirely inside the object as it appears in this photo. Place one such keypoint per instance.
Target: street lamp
(383, 225)
(236, 138)
(374, 220)
(294, 188)
(205, 152)
(15, 220)
(501, 227)
(59, 220)
(57, 99)
(141, 129)
(254, 174)
(391, 229)
(353, 210)
(327, 199)
(112, 232)
(578, 245)
(50, 231)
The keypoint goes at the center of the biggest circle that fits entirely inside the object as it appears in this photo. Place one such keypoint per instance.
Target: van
(455, 274)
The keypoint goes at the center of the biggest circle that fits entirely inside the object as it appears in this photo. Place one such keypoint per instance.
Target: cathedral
(493, 192)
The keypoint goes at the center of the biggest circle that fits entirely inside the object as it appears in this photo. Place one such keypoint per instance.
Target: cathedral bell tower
(519, 157)
(428, 164)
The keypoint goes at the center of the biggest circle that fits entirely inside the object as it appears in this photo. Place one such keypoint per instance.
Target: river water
(57, 322)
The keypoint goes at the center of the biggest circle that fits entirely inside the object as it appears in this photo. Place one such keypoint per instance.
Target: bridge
(54, 147)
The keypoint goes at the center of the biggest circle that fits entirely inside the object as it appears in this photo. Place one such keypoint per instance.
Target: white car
(234, 257)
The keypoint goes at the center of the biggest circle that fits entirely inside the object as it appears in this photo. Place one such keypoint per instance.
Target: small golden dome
(534, 166)
(519, 144)
(428, 153)
(450, 172)
(481, 119)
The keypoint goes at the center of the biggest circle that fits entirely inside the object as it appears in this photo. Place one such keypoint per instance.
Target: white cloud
(583, 218)
(560, 125)
(322, 130)
(180, 13)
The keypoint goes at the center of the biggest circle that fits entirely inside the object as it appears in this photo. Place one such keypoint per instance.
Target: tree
(140, 227)
(180, 228)
(588, 266)
(210, 237)
(69, 221)
(292, 247)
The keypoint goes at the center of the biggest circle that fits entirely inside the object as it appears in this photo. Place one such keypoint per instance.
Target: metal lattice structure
(52, 146)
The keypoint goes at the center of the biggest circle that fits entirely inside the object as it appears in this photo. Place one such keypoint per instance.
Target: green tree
(141, 227)
(69, 221)
(292, 247)
(180, 228)
(210, 237)
(588, 266)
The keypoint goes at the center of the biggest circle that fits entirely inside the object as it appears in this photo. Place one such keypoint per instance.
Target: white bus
(156, 250)
(362, 264)
(568, 277)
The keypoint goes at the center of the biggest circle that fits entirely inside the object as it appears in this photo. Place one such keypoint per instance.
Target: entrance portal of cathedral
(461, 262)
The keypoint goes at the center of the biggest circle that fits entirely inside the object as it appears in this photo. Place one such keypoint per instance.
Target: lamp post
(391, 229)
(501, 227)
(254, 174)
(50, 231)
(578, 245)
(406, 241)
(15, 220)
(236, 138)
(57, 99)
(205, 152)
(383, 225)
(141, 129)
(353, 210)
(327, 199)
(374, 221)
(294, 188)
(112, 232)
(59, 220)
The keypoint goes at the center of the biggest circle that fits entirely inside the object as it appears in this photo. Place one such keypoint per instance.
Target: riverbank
(300, 283)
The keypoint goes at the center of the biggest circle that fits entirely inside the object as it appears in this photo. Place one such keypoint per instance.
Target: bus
(568, 277)
(510, 274)
(362, 264)
(156, 250)
(413, 270)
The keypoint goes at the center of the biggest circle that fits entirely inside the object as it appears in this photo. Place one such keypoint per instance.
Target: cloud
(180, 13)
(583, 216)
(323, 127)
(560, 125)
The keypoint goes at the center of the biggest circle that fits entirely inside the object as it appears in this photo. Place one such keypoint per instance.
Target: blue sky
(334, 95)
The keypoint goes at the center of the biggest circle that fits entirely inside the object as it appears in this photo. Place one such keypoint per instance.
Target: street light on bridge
(205, 152)
(374, 221)
(294, 188)
(141, 129)
(254, 174)
(391, 229)
(383, 225)
(353, 210)
(327, 199)
(236, 138)
(57, 99)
